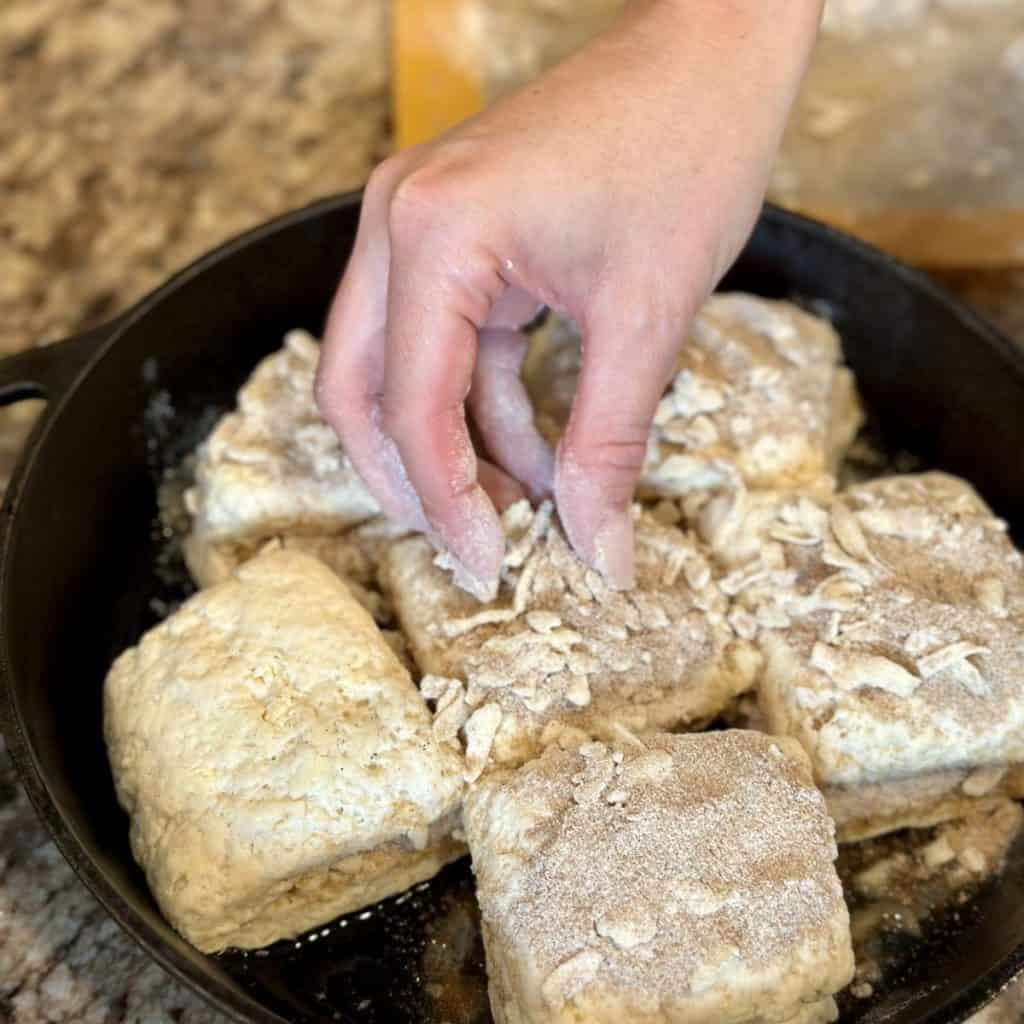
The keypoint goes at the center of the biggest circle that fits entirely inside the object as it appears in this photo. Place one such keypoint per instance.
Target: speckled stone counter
(133, 137)
(136, 135)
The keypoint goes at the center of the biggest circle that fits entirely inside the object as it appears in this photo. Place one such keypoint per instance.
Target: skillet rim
(237, 1005)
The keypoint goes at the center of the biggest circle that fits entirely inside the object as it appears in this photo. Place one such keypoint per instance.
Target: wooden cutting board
(438, 74)
(911, 137)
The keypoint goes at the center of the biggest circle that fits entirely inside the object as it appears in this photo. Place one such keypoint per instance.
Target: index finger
(350, 375)
(434, 309)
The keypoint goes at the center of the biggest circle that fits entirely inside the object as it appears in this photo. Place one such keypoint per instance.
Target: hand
(617, 188)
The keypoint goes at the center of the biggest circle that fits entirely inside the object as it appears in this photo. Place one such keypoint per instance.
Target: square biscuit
(356, 555)
(688, 878)
(891, 620)
(271, 467)
(276, 760)
(558, 656)
(760, 398)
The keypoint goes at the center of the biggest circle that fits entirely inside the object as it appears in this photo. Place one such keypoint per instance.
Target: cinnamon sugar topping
(699, 866)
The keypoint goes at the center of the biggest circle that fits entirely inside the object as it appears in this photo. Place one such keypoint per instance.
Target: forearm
(707, 83)
(784, 26)
(769, 42)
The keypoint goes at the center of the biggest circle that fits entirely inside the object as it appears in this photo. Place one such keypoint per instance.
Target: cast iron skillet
(78, 584)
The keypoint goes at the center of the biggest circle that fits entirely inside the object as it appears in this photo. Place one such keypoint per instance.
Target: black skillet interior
(79, 585)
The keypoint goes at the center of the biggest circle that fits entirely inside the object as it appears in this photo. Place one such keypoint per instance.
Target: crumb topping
(664, 867)
(557, 640)
(905, 611)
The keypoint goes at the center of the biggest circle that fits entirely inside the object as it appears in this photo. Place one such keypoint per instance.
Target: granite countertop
(133, 137)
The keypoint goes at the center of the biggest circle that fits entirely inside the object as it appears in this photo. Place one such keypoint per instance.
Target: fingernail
(601, 537)
(473, 544)
(613, 551)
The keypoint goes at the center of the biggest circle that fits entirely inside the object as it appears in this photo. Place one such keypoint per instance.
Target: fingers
(624, 373)
(503, 412)
(350, 375)
(439, 292)
(395, 368)
(350, 378)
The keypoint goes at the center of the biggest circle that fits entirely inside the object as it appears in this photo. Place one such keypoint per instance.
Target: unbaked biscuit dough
(760, 399)
(271, 467)
(276, 760)
(927, 871)
(759, 391)
(559, 656)
(683, 879)
(355, 554)
(892, 625)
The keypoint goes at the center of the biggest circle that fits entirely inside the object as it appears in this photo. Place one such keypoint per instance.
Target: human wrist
(784, 27)
(800, 14)
(757, 51)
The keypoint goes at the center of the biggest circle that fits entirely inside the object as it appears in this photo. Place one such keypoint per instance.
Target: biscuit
(686, 879)
(558, 656)
(759, 399)
(929, 869)
(276, 760)
(892, 626)
(355, 554)
(271, 467)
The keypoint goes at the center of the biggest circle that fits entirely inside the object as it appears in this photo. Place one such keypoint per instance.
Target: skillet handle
(48, 371)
